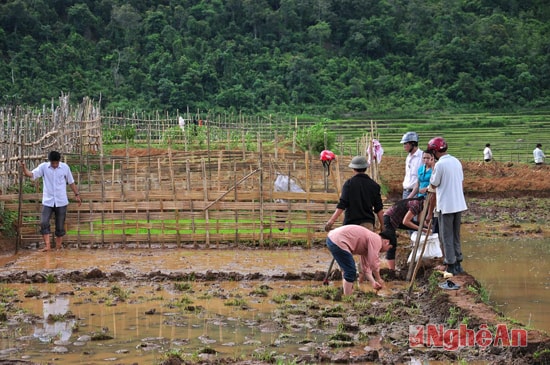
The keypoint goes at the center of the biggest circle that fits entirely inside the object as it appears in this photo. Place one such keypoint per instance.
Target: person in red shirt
(351, 239)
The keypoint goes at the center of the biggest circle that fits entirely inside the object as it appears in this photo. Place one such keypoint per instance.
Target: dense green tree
(281, 55)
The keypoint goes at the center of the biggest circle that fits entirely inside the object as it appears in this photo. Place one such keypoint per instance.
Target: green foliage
(118, 293)
(334, 60)
(482, 294)
(8, 223)
(183, 286)
(315, 138)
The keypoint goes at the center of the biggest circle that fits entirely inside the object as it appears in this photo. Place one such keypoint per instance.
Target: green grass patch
(198, 226)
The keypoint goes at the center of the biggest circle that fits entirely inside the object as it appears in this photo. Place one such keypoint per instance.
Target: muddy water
(268, 262)
(516, 273)
(155, 317)
(149, 324)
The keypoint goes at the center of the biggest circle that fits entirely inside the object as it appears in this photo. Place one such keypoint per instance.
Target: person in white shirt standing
(538, 155)
(55, 176)
(447, 179)
(412, 163)
(487, 153)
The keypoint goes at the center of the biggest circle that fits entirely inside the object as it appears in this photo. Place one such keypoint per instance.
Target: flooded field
(141, 306)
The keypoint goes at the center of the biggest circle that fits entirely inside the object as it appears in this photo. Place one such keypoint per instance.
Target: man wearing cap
(360, 198)
(412, 163)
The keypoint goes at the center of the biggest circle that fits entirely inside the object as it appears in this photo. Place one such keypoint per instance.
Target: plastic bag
(282, 183)
(432, 250)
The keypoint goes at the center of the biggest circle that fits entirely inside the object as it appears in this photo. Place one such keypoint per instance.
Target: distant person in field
(487, 153)
(55, 176)
(360, 198)
(538, 155)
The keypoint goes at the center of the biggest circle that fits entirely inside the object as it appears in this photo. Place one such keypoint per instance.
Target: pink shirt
(358, 240)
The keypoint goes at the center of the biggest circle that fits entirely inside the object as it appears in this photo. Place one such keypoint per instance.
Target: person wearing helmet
(447, 179)
(360, 198)
(412, 163)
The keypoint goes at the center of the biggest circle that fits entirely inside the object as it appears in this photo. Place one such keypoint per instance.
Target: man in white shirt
(55, 176)
(412, 163)
(538, 155)
(447, 178)
(487, 153)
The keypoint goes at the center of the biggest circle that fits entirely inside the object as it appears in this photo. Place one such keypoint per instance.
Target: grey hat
(410, 137)
(359, 162)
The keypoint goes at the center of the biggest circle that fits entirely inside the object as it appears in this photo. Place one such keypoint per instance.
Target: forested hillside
(297, 56)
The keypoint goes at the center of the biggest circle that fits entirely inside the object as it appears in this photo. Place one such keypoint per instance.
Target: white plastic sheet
(282, 183)
(432, 250)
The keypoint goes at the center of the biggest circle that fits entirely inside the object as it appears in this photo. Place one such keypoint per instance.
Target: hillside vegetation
(313, 56)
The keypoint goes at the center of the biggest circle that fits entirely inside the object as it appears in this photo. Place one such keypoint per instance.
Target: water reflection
(516, 273)
(157, 319)
(54, 325)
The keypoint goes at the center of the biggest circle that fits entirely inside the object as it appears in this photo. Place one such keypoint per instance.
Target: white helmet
(409, 137)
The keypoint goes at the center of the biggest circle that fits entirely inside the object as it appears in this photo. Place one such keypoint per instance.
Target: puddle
(157, 318)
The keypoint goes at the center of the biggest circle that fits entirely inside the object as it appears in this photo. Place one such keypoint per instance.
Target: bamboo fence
(152, 197)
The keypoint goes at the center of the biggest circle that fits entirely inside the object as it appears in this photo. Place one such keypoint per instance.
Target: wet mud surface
(275, 292)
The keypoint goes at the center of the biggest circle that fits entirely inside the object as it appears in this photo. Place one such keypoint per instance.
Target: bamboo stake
(20, 198)
(236, 199)
(113, 168)
(220, 159)
(261, 190)
(161, 200)
(206, 213)
(420, 225)
(174, 196)
(413, 258)
(308, 185)
(232, 188)
(289, 211)
(193, 225)
(123, 198)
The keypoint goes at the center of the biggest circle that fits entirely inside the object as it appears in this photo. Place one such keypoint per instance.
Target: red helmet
(327, 155)
(437, 144)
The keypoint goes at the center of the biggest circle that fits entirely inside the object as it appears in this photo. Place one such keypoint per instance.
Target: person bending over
(348, 240)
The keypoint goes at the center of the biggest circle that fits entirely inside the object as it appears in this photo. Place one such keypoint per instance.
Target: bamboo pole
(193, 224)
(206, 212)
(261, 187)
(113, 168)
(308, 189)
(236, 196)
(123, 199)
(232, 188)
(289, 211)
(20, 192)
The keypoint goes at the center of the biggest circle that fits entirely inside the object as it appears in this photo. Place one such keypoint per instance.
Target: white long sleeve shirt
(54, 182)
(412, 164)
